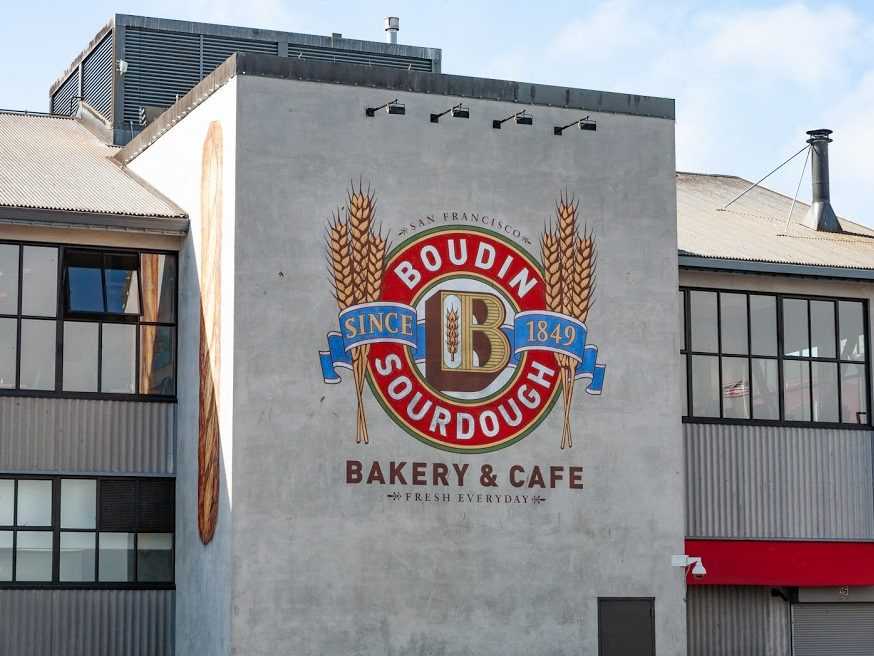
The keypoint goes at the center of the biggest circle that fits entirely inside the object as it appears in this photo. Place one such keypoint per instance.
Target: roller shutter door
(830, 629)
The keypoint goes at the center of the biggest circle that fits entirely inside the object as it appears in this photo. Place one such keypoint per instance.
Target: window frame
(56, 530)
(61, 316)
(780, 358)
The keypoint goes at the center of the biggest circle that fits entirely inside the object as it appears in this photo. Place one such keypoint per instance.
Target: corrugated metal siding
(97, 71)
(87, 622)
(776, 482)
(735, 621)
(61, 101)
(358, 57)
(71, 435)
(218, 48)
(161, 66)
(829, 629)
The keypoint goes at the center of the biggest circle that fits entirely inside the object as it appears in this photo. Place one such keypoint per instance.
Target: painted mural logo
(466, 341)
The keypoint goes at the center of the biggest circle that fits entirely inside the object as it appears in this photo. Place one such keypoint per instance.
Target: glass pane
(154, 557)
(684, 390)
(705, 386)
(119, 358)
(39, 281)
(795, 333)
(702, 307)
(8, 279)
(80, 356)
(117, 557)
(763, 324)
(5, 555)
(37, 354)
(157, 360)
(796, 390)
(122, 286)
(34, 503)
(77, 557)
(78, 503)
(822, 329)
(852, 330)
(735, 388)
(158, 273)
(7, 502)
(83, 274)
(33, 553)
(8, 348)
(766, 389)
(854, 397)
(733, 320)
(825, 391)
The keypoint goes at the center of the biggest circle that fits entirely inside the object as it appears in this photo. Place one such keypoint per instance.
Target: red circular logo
(463, 389)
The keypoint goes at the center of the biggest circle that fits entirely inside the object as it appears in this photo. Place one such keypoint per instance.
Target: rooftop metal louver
(166, 58)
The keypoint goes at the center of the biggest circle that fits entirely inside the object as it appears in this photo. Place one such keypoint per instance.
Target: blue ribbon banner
(369, 323)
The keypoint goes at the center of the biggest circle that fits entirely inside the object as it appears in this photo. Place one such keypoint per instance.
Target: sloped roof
(55, 163)
(754, 227)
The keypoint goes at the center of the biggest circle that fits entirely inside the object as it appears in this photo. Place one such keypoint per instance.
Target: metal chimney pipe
(821, 215)
(392, 25)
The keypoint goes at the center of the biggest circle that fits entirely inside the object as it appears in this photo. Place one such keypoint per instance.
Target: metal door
(626, 626)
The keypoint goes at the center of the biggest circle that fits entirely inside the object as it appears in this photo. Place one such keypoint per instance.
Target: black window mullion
(809, 362)
(719, 350)
(780, 348)
(56, 530)
(687, 333)
(18, 325)
(867, 362)
(15, 531)
(838, 365)
(749, 356)
(99, 356)
(59, 322)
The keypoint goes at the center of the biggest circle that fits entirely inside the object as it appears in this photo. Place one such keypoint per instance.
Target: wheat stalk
(340, 261)
(569, 277)
(452, 332)
(359, 210)
(357, 260)
(567, 235)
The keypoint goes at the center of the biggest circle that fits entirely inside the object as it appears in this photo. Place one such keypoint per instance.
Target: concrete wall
(324, 567)
(203, 583)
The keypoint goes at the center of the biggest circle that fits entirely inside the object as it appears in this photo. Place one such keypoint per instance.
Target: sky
(749, 77)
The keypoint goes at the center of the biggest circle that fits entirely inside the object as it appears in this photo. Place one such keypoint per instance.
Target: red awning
(783, 563)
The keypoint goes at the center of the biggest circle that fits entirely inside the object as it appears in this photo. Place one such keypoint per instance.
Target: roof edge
(178, 110)
(95, 41)
(700, 262)
(261, 65)
(527, 93)
(173, 226)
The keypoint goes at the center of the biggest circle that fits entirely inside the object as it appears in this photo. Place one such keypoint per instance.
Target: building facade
(332, 358)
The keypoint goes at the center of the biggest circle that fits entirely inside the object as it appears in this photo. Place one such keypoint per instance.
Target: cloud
(789, 41)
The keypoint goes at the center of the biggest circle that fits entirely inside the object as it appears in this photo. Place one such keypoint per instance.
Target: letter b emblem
(465, 346)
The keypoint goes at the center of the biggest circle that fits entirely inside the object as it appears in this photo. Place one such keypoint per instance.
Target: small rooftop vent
(392, 25)
(821, 216)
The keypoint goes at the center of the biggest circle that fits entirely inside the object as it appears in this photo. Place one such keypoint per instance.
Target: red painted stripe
(783, 563)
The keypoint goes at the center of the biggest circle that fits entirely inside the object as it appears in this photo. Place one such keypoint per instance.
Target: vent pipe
(821, 216)
(392, 25)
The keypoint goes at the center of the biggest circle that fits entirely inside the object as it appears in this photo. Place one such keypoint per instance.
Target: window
(86, 532)
(770, 357)
(84, 321)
